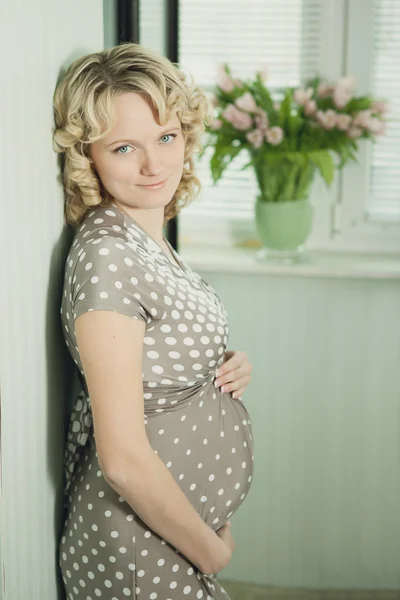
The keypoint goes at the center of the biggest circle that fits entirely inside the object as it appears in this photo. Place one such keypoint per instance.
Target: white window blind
(152, 15)
(283, 35)
(384, 197)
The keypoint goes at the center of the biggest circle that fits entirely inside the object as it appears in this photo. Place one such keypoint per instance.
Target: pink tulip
(303, 96)
(327, 119)
(347, 83)
(343, 122)
(310, 108)
(341, 97)
(354, 132)
(255, 137)
(261, 120)
(380, 107)
(216, 124)
(239, 119)
(237, 83)
(324, 90)
(224, 81)
(343, 91)
(376, 126)
(362, 118)
(274, 135)
(246, 103)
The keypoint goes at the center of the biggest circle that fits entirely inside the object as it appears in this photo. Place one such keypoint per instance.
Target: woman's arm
(111, 349)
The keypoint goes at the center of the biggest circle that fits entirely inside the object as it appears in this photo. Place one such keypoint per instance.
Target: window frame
(355, 231)
(339, 211)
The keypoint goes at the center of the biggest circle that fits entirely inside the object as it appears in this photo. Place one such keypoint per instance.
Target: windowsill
(320, 263)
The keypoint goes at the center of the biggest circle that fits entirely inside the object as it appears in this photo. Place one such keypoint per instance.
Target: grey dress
(203, 436)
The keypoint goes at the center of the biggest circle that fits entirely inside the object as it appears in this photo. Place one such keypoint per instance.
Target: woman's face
(139, 152)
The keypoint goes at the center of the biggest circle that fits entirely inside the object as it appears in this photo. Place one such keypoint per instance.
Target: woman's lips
(155, 186)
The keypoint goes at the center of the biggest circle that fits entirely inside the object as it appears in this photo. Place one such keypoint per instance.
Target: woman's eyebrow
(137, 141)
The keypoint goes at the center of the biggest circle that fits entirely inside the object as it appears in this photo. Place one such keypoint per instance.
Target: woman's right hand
(226, 536)
(224, 550)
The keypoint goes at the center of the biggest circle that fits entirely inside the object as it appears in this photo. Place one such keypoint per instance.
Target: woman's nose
(151, 163)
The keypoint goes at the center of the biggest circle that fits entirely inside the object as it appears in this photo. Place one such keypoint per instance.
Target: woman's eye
(123, 150)
(173, 135)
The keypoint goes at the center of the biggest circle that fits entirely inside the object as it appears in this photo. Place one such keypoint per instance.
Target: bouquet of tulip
(292, 135)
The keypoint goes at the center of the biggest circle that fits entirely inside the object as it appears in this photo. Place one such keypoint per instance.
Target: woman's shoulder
(104, 232)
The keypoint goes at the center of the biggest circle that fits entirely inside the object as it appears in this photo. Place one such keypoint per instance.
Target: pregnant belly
(207, 444)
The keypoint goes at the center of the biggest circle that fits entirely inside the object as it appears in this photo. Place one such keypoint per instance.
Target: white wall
(36, 39)
(323, 510)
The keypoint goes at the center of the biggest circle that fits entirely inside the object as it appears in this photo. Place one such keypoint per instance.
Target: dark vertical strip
(128, 21)
(172, 52)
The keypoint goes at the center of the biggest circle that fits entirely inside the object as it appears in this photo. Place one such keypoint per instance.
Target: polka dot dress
(203, 436)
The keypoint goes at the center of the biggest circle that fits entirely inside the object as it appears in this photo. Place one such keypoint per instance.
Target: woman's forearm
(152, 492)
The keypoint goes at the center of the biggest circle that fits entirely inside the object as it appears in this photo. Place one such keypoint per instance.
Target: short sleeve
(109, 276)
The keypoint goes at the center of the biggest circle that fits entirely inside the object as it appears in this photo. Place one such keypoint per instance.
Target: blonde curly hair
(84, 113)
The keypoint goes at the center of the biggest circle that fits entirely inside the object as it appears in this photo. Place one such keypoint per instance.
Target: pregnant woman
(159, 453)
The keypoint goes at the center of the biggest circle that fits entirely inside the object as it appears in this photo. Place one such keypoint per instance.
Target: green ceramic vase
(283, 227)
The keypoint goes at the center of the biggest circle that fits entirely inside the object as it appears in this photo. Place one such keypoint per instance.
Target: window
(296, 39)
(152, 15)
(369, 212)
(384, 197)
(285, 36)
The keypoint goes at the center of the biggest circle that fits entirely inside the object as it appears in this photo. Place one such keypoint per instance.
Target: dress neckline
(177, 262)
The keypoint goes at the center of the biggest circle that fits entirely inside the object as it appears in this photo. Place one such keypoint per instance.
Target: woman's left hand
(234, 373)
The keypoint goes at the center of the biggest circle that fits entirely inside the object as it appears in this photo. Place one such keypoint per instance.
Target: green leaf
(324, 162)
(357, 104)
(222, 157)
(262, 95)
(296, 158)
(286, 106)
